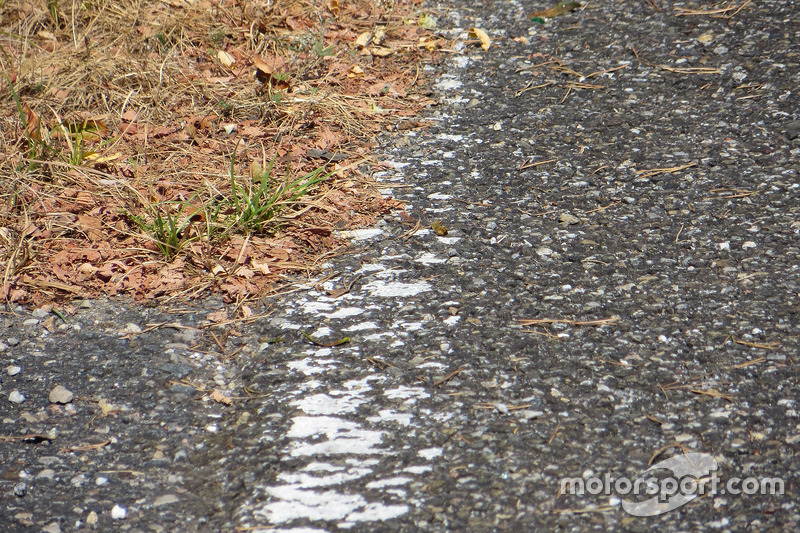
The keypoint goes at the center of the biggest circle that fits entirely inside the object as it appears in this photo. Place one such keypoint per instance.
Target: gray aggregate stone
(20, 489)
(61, 394)
(16, 397)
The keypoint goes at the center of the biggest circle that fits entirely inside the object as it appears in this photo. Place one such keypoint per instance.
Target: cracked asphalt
(618, 287)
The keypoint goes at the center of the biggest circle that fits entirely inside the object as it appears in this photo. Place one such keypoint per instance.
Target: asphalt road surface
(622, 178)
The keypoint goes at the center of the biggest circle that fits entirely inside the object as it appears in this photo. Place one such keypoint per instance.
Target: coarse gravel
(442, 412)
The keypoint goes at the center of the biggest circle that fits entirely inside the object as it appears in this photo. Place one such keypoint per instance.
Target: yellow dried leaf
(333, 7)
(427, 21)
(262, 65)
(261, 267)
(706, 38)
(381, 51)
(439, 228)
(244, 272)
(96, 158)
(256, 170)
(225, 59)
(428, 43)
(482, 36)
(105, 406)
(50, 324)
(219, 397)
(364, 39)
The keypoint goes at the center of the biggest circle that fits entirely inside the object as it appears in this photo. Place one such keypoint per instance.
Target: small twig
(601, 208)
(712, 392)
(494, 405)
(448, 377)
(529, 88)
(772, 346)
(216, 340)
(472, 203)
(750, 363)
(544, 333)
(737, 193)
(654, 419)
(529, 164)
(534, 67)
(599, 72)
(579, 85)
(684, 12)
(246, 320)
(690, 70)
(598, 322)
(667, 170)
(336, 293)
(380, 363)
(652, 4)
(664, 448)
(410, 233)
(553, 435)
(85, 448)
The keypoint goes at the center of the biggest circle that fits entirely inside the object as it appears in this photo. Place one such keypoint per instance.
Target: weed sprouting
(255, 206)
(322, 51)
(258, 202)
(168, 230)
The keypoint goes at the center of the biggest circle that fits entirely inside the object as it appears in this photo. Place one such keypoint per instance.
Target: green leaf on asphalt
(314, 341)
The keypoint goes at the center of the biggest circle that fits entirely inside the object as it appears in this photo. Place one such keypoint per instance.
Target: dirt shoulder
(180, 149)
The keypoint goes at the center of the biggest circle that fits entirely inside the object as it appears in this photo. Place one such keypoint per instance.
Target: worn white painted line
(361, 234)
(340, 456)
(396, 289)
(428, 258)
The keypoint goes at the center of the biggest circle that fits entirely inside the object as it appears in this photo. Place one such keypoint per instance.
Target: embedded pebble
(61, 395)
(165, 499)
(566, 218)
(47, 473)
(118, 513)
(41, 313)
(16, 397)
(131, 328)
(20, 489)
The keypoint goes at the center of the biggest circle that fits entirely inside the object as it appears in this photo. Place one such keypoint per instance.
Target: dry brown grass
(132, 130)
